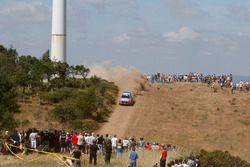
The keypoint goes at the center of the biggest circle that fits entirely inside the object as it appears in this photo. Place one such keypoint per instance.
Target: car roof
(126, 93)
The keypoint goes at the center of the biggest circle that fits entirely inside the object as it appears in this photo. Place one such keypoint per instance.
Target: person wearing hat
(163, 157)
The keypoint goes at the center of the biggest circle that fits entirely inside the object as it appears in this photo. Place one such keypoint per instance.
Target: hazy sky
(172, 36)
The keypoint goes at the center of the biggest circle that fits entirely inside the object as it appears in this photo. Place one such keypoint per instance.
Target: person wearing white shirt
(32, 138)
(125, 143)
(87, 140)
(92, 139)
(114, 143)
(80, 141)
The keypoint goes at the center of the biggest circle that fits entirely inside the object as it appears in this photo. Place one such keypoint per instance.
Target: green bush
(82, 106)
(85, 125)
(58, 95)
(221, 159)
(90, 103)
(7, 121)
(111, 100)
(65, 113)
(76, 83)
(8, 101)
(95, 80)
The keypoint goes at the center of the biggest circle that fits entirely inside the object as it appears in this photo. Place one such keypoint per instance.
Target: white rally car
(127, 98)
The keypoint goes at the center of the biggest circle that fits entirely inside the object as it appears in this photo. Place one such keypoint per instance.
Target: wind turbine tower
(58, 39)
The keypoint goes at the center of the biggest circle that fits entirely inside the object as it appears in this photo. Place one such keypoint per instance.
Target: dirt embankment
(187, 115)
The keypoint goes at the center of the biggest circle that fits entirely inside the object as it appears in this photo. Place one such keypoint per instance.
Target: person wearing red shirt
(163, 156)
(74, 139)
(148, 146)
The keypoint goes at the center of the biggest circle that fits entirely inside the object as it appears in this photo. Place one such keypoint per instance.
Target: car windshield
(125, 96)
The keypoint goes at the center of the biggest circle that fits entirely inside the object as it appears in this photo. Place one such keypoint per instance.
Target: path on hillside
(119, 120)
(127, 80)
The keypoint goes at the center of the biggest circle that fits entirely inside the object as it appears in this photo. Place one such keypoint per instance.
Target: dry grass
(245, 122)
(146, 159)
(34, 115)
(194, 119)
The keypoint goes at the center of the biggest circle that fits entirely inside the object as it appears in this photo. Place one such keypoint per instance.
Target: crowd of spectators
(78, 144)
(223, 80)
(190, 77)
(189, 162)
(242, 86)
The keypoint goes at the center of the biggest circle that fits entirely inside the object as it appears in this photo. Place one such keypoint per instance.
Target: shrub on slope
(221, 159)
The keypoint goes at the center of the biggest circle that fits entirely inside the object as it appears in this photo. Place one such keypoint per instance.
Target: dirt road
(119, 121)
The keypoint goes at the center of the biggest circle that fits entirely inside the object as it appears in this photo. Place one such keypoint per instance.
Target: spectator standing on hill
(133, 156)
(62, 141)
(108, 151)
(184, 163)
(56, 142)
(87, 140)
(191, 162)
(171, 164)
(14, 138)
(232, 87)
(114, 143)
(197, 162)
(76, 154)
(46, 138)
(22, 139)
(148, 146)
(178, 163)
(74, 139)
(119, 149)
(32, 138)
(132, 142)
(163, 156)
(92, 139)
(68, 141)
(93, 153)
(125, 144)
(100, 141)
(80, 141)
(106, 139)
(141, 143)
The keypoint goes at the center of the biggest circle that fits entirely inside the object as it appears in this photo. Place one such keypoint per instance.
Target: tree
(8, 61)
(8, 101)
(31, 72)
(62, 70)
(48, 66)
(81, 70)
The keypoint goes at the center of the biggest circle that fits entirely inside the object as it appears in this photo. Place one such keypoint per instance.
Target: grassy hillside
(192, 116)
(146, 159)
(189, 116)
(68, 108)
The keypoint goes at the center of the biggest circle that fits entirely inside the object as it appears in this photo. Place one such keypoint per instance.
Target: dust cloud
(127, 79)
